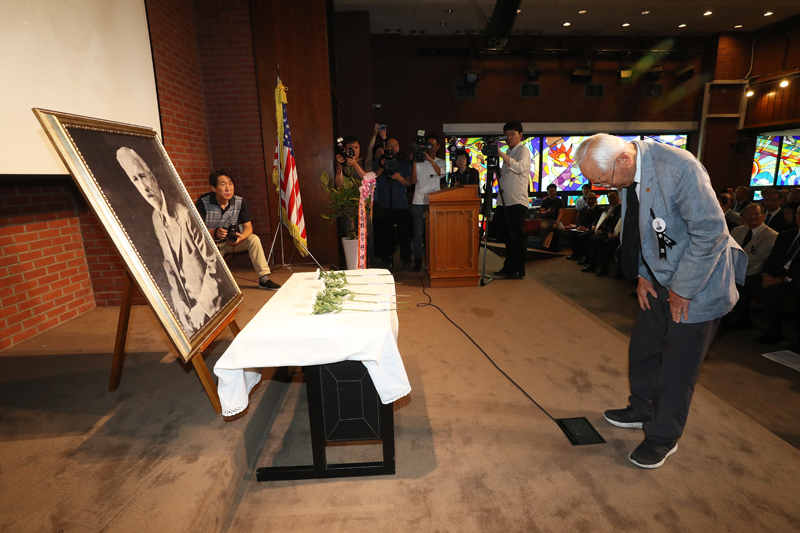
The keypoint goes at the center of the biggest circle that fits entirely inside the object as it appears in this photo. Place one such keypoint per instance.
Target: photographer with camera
(228, 219)
(348, 162)
(512, 202)
(393, 171)
(426, 176)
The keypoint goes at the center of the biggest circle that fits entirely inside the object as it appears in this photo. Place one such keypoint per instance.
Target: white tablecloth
(285, 333)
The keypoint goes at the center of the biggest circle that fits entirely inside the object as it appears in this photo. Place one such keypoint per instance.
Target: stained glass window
(557, 157)
(678, 141)
(478, 160)
(765, 160)
(789, 171)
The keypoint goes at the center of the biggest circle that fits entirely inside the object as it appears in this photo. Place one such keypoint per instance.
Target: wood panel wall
(294, 35)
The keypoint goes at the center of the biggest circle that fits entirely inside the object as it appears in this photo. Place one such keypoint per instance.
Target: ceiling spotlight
(582, 12)
(566, 24)
(449, 10)
(738, 26)
(707, 13)
(582, 74)
(442, 24)
(768, 13)
(533, 70)
(626, 24)
(653, 73)
(519, 11)
(784, 83)
(645, 12)
(681, 25)
(626, 71)
(684, 72)
(749, 94)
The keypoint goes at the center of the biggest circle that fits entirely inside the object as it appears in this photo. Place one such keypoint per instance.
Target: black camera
(342, 151)
(489, 148)
(390, 161)
(421, 147)
(231, 236)
(455, 150)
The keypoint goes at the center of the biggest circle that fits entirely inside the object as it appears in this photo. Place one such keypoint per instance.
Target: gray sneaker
(625, 418)
(651, 455)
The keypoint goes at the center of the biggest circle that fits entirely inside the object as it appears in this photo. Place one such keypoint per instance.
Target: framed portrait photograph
(129, 181)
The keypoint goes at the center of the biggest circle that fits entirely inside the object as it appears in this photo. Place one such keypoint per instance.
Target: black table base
(343, 405)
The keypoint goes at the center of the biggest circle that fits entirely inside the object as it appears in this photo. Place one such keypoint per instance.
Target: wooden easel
(196, 357)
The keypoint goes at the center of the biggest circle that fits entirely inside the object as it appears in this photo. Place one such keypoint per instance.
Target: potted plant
(344, 205)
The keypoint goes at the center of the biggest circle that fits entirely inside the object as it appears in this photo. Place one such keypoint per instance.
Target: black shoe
(625, 418)
(603, 272)
(651, 455)
(582, 262)
(589, 268)
(572, 257)
(269, 285)
(770, 337)
(518, 275)
(417, 264)
(502, 274)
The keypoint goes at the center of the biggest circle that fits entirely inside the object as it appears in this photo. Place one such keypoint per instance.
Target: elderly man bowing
(674, 240)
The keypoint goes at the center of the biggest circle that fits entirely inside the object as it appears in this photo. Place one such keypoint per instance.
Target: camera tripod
(492, 170)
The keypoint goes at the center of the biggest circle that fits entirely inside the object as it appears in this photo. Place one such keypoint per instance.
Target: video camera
(390, 161)
(455, 150)
(490, 149)
(421, 147)
(342, 151)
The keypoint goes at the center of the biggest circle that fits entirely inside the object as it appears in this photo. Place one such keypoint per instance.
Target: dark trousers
(595, 245)
(606, 251)
(751, 284)
(774, 299)
(664, 360)
(384, 233)
(580, 244)
(510, 224)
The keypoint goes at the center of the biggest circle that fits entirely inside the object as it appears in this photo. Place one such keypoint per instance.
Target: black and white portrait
(156, 217)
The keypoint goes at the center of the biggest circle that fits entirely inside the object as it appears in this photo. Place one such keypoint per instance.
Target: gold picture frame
(127, 178)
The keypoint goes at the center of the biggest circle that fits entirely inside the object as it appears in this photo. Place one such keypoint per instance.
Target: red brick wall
(225, 44)
(44, 278)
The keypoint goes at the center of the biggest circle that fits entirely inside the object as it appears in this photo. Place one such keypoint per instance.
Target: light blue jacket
(705, 263)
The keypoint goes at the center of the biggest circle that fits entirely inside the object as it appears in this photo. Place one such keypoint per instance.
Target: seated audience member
(581, 244)
(757, 240)
(391, 197)
(772, 204)
(426, 178)
(588, 216)
(780, 278)
(550, 213)
(732, 219)
(597, 245)
(789, 211)
(581, 202)
(741, 199)
(349, 167)
(462, 173)
(222, 209)
(792, 196)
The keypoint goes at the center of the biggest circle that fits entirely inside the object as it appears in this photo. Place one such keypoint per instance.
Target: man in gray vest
(222, 209)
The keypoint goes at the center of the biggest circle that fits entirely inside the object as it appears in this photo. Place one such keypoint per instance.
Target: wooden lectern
(451, 233)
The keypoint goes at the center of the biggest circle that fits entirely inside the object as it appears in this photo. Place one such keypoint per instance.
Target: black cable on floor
(478, 346)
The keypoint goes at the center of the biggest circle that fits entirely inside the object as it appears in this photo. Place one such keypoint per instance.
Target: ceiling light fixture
(626, 71)
(519, 11)
(768, 13)
(707, 13)
(533, 70)
(681, 25)
(625, 24)
(442, 24)
(653, 73)
(738, 26)
(749, 94)
(582, 12)
(645, 12)
(566, 24)
(784, 83)
(449, 10)
(582, 74)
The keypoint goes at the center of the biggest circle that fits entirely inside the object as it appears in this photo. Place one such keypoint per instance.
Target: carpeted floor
(473, 453)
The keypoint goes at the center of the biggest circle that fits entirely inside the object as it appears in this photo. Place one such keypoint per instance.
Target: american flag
(291, 205)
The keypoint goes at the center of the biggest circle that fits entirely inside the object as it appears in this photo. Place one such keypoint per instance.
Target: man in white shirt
(425, 176)
(512, 202)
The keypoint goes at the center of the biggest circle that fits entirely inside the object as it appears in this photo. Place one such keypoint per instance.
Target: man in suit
(741, 199)
(674, 240)
(582, 243)
(757, 240)
(772, 204)
(780, 278)
(732, 219)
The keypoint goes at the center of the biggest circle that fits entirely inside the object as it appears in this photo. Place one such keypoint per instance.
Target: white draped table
(285, 333)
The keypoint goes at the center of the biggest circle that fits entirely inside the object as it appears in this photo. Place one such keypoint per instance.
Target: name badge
(664, 241)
